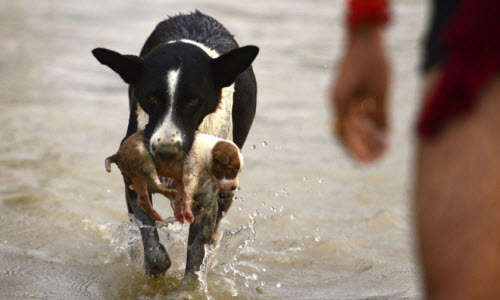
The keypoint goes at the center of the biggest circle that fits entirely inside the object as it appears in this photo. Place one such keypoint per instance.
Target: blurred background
(307, 221)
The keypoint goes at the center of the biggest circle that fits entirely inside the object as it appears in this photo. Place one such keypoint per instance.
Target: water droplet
(283, 190)
(254, 147)
(264, 270)
(292, 217)
(264, 144)
(262, 283)
(304, 178)
(318, 229)
(317, 238)
(247, 284)
(320, 179)
(276, 194)
(278, 285)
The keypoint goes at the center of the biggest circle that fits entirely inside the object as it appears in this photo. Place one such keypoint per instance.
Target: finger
(363, 139)
(352, 135)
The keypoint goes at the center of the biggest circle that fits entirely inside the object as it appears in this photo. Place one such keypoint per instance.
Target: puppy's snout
(169, 151)
(228, 185)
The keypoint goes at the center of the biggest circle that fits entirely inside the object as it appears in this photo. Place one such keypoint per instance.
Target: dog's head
(177, 85)
(227, 162)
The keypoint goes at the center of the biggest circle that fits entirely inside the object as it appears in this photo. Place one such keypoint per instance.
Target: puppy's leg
(203, 227)
(190, 182)
(161, 188)
(179, 202)
(141, 188)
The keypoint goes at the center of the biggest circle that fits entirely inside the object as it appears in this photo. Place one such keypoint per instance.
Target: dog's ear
(219, 153)
(228, 66)
(129, 67)
(221, 158)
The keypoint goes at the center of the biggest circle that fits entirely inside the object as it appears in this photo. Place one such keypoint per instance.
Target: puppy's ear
(129, 67)
(228, 66)
(221, 158)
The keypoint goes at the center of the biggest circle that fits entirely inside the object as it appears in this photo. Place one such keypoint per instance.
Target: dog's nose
(169, 151)
(233, 187)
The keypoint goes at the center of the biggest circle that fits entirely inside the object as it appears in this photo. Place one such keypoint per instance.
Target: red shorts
(472, 44)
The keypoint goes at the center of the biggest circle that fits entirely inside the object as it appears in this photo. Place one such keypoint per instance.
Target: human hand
(359, 94)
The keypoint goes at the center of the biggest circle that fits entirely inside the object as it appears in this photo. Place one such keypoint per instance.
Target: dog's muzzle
(168, 151)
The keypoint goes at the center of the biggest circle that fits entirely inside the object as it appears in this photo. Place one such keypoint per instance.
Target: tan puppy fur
(135, 163)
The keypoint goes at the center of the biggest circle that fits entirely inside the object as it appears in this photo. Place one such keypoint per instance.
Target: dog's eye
(194, 100)
(152, 98)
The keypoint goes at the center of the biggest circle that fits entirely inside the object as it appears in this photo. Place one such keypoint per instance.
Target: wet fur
(209, 204)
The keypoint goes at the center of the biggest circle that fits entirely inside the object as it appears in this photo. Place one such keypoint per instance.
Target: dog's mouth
(168, 157)
(168, 152)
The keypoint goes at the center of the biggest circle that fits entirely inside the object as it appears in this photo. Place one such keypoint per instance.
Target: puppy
(138, 166)
(220, 158)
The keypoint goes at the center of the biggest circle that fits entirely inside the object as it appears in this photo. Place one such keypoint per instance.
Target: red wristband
(367, 12)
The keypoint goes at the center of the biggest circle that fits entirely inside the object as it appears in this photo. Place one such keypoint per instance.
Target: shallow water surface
(307, 222)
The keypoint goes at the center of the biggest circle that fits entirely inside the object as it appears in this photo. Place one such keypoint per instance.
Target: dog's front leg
(156, 259)
(205, 208)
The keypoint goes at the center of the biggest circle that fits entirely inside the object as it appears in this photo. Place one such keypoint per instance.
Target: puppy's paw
(170, 192)
(179, 217)
(188, 214)
(156, 216)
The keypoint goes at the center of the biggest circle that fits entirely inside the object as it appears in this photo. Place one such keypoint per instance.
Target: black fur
(201, 78)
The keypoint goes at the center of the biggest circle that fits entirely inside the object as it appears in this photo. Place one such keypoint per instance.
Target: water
(307, 222)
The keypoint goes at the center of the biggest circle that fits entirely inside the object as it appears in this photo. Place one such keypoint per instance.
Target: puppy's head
(227, 162)
(177, 84)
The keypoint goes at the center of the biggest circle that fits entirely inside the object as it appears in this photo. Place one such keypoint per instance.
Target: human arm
(359, 93)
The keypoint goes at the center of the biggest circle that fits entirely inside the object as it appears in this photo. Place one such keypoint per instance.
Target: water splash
(221, 260)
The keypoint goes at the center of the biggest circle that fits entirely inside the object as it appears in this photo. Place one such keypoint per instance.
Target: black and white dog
(191, 76)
